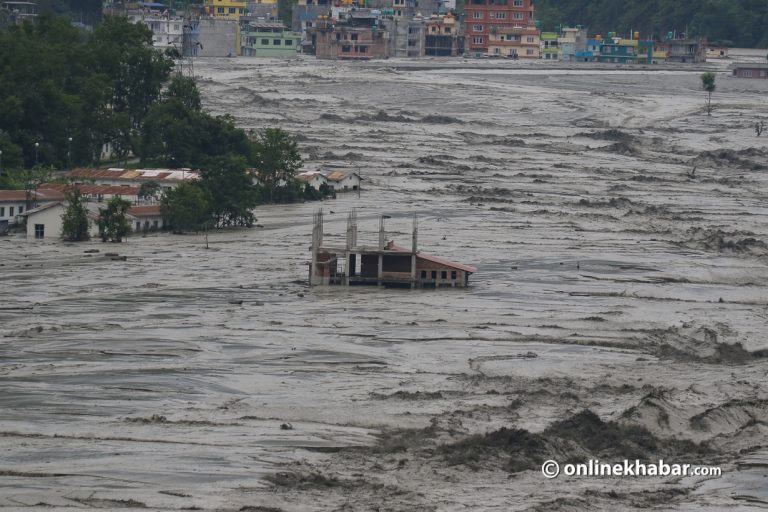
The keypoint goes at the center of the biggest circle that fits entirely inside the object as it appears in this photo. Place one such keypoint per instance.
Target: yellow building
(231, 9)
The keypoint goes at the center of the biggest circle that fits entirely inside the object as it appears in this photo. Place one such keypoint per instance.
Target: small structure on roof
(387, 264)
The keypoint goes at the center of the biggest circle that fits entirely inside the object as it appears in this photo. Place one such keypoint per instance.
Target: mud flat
(619, 309)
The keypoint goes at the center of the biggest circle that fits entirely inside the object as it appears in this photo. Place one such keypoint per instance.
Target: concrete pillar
(381, 268)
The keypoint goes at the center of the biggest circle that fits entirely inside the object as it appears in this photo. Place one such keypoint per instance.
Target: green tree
(231, 192)
(113, 224)
(185, 208)
(276, 159)
(708, 84)
(75, 218)
(184, 89)
(285, 11)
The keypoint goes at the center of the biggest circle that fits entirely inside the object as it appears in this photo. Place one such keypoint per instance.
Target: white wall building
(45, 222)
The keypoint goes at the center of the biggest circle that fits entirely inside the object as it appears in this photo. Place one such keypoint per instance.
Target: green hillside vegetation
(739, 23)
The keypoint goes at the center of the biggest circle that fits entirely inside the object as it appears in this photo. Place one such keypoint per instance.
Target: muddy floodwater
(619, 309)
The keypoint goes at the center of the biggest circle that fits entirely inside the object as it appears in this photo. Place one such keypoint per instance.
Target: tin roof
(145, 211)
(116, 173)
(434, 259)
(104, 190)
(45, 194)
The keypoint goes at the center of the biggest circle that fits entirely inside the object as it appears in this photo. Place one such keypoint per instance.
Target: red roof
(13, 195)
(44, 194)
(434, 259)
(145, 211)
(94, 190)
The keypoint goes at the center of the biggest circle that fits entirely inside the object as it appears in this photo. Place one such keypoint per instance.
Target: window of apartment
(496, 51)
(346, 48)
(530, 39)
(500, 15)
(398, 13)
(353, 37)
(444, 274)
(361, 49)
(478, 15)
(447, 30)
(453, 274)
(176, 27)
(276, 42)
(518, 15)
(240, 10)
(399, 2)
(529, 51)
(21, 210)
(138, 226)
(499, 2)
(338, 36)
(747, 74)
(39, 230)
(10, 208)
(232, 10)
(289, 42)
(517, 3)
(154, 224)
(2, 211)
(423, 274)
(434, 274)
(477, 28)
(265, 42)
(477, 40)
(220, 10)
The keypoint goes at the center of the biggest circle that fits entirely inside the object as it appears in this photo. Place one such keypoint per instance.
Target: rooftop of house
(750, 65)
(329, 174)
(160, 175)
(391, 246)
(145, 211)
(86, 189)
(15, 196)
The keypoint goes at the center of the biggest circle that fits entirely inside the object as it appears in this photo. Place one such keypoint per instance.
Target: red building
(485, 16)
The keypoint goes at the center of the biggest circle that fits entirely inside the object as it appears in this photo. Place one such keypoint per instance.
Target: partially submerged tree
(277, 159)
(708, 84)
(75, 218)
(185, 208)
(231, 192)
(113, 224)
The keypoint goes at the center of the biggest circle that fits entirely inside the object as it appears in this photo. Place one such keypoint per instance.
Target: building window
(346, 48)
(220, 10)
(477, 40)
(276, 42)
(2, 211)
(39, 230)
(447, 30)
(353, 37)
(176, 27)
(518, 15)
(478, 15)
(747, 74)
(530, 39)
(423, 274)
(500, 15)
(529, 51)
(444, 274)
(21, 210)
(265, 42)
(434, 274)
(453, 275)
(10, 208)
(289, 42)
(477, 28)
(138, 226)
(232, 10)
(517, 3)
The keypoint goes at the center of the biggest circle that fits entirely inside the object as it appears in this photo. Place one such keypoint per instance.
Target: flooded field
(618, 311)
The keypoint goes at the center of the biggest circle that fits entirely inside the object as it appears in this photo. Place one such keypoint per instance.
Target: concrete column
(381, 268)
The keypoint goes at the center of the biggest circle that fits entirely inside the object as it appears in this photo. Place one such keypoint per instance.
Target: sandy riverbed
(618, 291)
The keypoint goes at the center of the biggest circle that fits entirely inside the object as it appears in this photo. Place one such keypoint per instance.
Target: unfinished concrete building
(357, 36)
(442, 36)
(386, 264)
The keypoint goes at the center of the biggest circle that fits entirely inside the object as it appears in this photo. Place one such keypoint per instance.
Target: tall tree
(185, 208)
(276, 159)
(708, 84)
(231, 191)
(76, 224)
(113, 222)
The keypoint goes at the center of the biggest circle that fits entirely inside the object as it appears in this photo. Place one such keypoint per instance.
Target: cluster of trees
(738, 23)
(65, 93)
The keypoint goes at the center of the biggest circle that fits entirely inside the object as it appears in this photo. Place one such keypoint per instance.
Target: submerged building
(386, 264)
(269, 39)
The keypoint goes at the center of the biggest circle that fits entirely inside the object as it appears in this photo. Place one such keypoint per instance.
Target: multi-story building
(442, 36)
(167, 30)
(572, 41)
(230, 9)
(687, 50)
(485, 16)
(550, 46)
(269, 39)
(592, 51)
(619, 51)
(514, 42)
(356, 36)
(20, 11)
